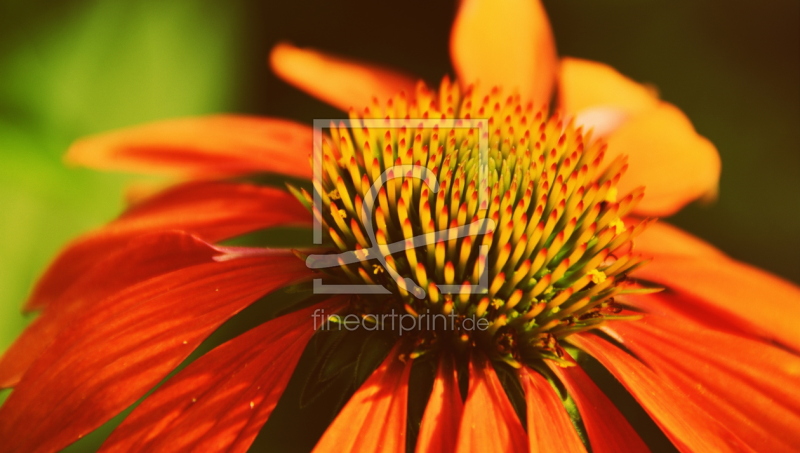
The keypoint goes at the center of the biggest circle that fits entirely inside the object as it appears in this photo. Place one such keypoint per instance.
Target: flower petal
(720, 286)
(142, 258)
(505, 43)
(221, 145)
(211, 210)
(489, 422)
(661, 238)
(438, 431)
(688, 426)
(585, 85)
(115, 353)
(374, 420)
(549, 426)
(607, 428)
(221, 401)
(666, 155)
(342, 83)
(747, 385)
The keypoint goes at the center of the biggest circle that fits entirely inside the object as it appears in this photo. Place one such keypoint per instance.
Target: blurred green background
(77, 67)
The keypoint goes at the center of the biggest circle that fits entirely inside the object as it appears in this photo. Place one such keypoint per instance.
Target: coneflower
(515, 238)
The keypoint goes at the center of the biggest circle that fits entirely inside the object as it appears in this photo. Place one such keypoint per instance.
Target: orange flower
(712, 359)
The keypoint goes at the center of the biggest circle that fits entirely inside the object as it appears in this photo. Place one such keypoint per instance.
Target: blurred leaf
(82, 67)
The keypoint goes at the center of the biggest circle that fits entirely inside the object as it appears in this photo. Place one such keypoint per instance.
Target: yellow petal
(585, 84)
(505, 43)
(342, 83)
(667, 156)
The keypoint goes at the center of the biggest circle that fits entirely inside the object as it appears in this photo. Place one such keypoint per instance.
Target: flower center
(499, 219)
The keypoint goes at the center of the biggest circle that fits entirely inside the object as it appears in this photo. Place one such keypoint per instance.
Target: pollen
(611, 195)
(476, 204)
(597, 276)
(619, 226)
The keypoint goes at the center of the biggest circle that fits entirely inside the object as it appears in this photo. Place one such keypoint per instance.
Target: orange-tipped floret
(514, 205)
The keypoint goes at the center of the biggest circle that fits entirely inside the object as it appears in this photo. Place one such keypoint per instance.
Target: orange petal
(374, 420)
(136, 261)
(489, 422)
(549, 426)
(667, 156)
(114, 354)
(688, 426)
(661, 238)
(607, 428)
(209, 146)
(221, 400)
(720, 287)
(585, 84)
(438, 431)
(505, 43)
(211, 210)
(342, 83)
(747, 385)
